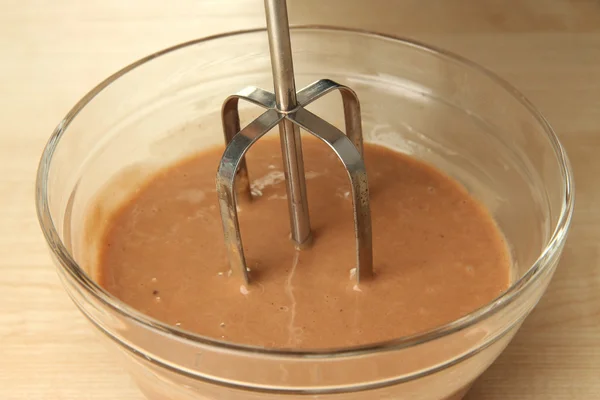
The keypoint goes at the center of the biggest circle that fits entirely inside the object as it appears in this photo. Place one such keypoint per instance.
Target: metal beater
(286, 108)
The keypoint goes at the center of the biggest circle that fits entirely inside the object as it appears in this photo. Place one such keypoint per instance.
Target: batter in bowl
(438, 254)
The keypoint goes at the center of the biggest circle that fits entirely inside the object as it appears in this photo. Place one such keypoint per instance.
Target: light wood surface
(52, 52)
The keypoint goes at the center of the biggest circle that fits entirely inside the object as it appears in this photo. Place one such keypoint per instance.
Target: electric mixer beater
(286, 108)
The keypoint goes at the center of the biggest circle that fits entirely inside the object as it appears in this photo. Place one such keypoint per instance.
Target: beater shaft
(285, 95)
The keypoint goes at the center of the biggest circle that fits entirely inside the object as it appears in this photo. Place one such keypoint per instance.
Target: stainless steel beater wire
(285, 93)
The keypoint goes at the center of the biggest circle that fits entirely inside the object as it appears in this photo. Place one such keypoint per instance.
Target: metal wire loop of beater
(286, 108)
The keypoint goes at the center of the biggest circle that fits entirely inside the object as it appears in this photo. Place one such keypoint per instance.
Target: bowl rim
(69, 265)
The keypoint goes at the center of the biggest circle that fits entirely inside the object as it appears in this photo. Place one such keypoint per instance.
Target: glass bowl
(424, 102)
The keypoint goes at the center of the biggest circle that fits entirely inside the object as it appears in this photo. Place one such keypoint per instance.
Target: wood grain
(52, 52)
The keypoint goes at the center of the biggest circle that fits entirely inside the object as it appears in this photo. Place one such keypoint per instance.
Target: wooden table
(52, 52)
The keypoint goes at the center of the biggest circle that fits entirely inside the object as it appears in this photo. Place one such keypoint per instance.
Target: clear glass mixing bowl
(424, 102)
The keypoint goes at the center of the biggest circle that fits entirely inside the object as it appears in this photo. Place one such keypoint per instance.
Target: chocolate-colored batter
(438, 254)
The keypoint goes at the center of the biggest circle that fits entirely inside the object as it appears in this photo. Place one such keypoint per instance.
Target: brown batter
(438, 254)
